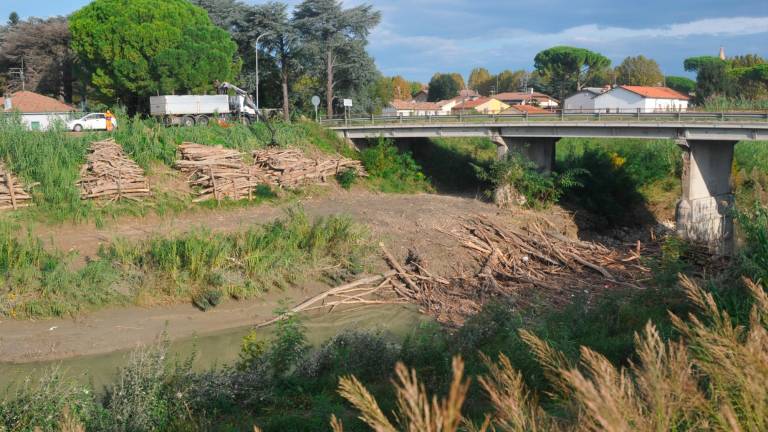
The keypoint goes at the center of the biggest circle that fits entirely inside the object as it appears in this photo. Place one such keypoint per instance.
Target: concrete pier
(541, 151)
(704, 214)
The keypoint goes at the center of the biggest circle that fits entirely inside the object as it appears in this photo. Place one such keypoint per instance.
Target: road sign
(347, 102)
(316, 101)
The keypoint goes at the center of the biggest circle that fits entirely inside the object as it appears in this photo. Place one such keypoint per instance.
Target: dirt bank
(402, 221)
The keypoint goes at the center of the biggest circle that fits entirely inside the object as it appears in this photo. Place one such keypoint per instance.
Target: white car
(93, 121)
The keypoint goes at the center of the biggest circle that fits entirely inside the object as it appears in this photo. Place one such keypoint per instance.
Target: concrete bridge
(704, 213)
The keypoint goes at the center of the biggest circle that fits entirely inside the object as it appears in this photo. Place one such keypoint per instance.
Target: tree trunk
(329, 83)
(286, 109)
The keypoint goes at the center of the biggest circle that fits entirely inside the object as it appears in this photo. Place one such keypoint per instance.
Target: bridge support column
(540, 151)
(704, 214)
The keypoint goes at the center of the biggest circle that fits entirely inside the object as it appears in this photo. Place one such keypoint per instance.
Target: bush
(364, 354)
(519, 177)
(753, 258)
(392, 171)
(347, 178)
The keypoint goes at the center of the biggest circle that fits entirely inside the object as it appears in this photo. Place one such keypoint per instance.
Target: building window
(35, 125)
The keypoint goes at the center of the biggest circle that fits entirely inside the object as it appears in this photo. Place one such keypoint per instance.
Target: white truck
(201, 109)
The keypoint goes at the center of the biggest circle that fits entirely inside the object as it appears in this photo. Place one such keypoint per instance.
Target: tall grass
(392, 170)
(200, 265)
(713, 379)
(725, 104)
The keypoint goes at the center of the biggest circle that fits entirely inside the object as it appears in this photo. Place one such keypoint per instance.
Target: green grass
(391, 170)
(39, 284)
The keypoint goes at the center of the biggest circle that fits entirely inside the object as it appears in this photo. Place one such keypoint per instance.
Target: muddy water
(216, 349)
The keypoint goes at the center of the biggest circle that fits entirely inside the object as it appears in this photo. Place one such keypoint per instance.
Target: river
(216, 349)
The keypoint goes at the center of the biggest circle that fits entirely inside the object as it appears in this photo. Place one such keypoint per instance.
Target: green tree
(416, 87)
(694, 64)
(713, 80)
(510, 81)
(131, 49)
(682, 84)
(478, 78)
(338, 36)
(443, 86)
(281, 42)
(13, 19)
(567, 69)
(639, 71)
(459, 80)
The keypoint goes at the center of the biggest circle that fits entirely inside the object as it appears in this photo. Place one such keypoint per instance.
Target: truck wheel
(78, 128)
(167, 121)
(187, 121)
(202, 120)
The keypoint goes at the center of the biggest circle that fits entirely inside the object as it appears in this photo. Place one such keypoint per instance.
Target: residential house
(641, 99)
(422, 95)
(38, 112)
(525, 109)
(481, 105)
(411, 108)
(528, 98)
(584, 100)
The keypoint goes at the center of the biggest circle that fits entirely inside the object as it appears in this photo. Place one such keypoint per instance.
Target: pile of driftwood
(109, 174)
(516, 265)
(290, 168)
(219, 173)
(12, 193)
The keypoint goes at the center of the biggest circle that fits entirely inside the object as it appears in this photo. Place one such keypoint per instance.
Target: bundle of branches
(12, 193)
(109, 174)
(290, 168)
(217, 172)
(514, 265)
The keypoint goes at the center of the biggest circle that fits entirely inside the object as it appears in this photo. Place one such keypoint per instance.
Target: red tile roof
(530, 109)
(30, 102)
(470, 104)
(414, 105)
(522, 96)
(656, 92)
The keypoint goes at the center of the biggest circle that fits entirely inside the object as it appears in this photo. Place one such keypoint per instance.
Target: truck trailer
(189, 110)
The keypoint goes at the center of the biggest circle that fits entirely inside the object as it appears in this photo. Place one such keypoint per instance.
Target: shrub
(753, 258)
(364, 354)
(347, 178)
(392, 171)
(520, 176)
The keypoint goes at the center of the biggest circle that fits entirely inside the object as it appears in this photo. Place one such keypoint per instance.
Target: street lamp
(256, 46)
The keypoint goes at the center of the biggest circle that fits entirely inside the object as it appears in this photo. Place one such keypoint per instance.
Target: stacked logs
(217, 173)
(290, 168)
(109, 174)
(12, 194)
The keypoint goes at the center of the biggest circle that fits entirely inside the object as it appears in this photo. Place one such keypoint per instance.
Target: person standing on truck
(109, 118)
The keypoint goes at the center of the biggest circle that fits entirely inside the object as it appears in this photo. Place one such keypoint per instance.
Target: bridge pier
(704, 214)
(540, 151)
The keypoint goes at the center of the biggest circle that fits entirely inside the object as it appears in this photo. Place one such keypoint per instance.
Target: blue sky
(420, 37)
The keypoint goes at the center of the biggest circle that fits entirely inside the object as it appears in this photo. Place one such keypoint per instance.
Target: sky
(417, 38)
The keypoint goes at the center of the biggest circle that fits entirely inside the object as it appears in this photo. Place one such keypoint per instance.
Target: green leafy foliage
(132, 49)
(347, 178)
(682, 84)
(442, 87)
(567, 69)
(753, 257)
(391, 170)
(521, 175)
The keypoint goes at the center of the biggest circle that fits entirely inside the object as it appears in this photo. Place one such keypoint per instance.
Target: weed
(347, 178)
(753, 257)
(392, 171)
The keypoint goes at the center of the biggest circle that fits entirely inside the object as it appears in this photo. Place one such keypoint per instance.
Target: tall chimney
(722, 53)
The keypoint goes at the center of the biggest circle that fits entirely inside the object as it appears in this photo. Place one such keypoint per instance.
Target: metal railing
(559, 116)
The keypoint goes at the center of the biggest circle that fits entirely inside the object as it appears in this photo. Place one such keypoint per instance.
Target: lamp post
(256, 47)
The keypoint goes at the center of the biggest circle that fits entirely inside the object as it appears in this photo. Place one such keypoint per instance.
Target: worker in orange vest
(109, 117)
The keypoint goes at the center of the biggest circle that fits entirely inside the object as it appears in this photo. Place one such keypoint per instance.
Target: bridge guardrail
(554, 116)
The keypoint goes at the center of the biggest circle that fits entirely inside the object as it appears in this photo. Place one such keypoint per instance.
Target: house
(641, 99)
(584, 100)
(481, 105)
(38, 112)
(422, 95)
(412, 108)
(525, 109)
(528, 98)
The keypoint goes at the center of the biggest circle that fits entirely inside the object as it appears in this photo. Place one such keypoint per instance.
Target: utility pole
(19, 72)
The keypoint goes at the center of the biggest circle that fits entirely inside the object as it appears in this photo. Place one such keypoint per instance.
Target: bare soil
(403, 222)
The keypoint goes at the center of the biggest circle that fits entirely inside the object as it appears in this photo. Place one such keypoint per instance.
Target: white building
(412, 108)
(38, 112)
(584, 100)
(529, 97)
(630, 99)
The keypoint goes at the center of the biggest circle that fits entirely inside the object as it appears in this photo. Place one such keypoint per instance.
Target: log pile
(515, 265)
(217, 173)
(291, 168)
(12, 193)
(109, 174)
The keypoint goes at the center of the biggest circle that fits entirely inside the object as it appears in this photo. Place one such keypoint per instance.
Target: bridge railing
(560, 115)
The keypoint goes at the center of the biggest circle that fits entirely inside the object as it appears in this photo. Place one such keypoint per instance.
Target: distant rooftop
(31, 102)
